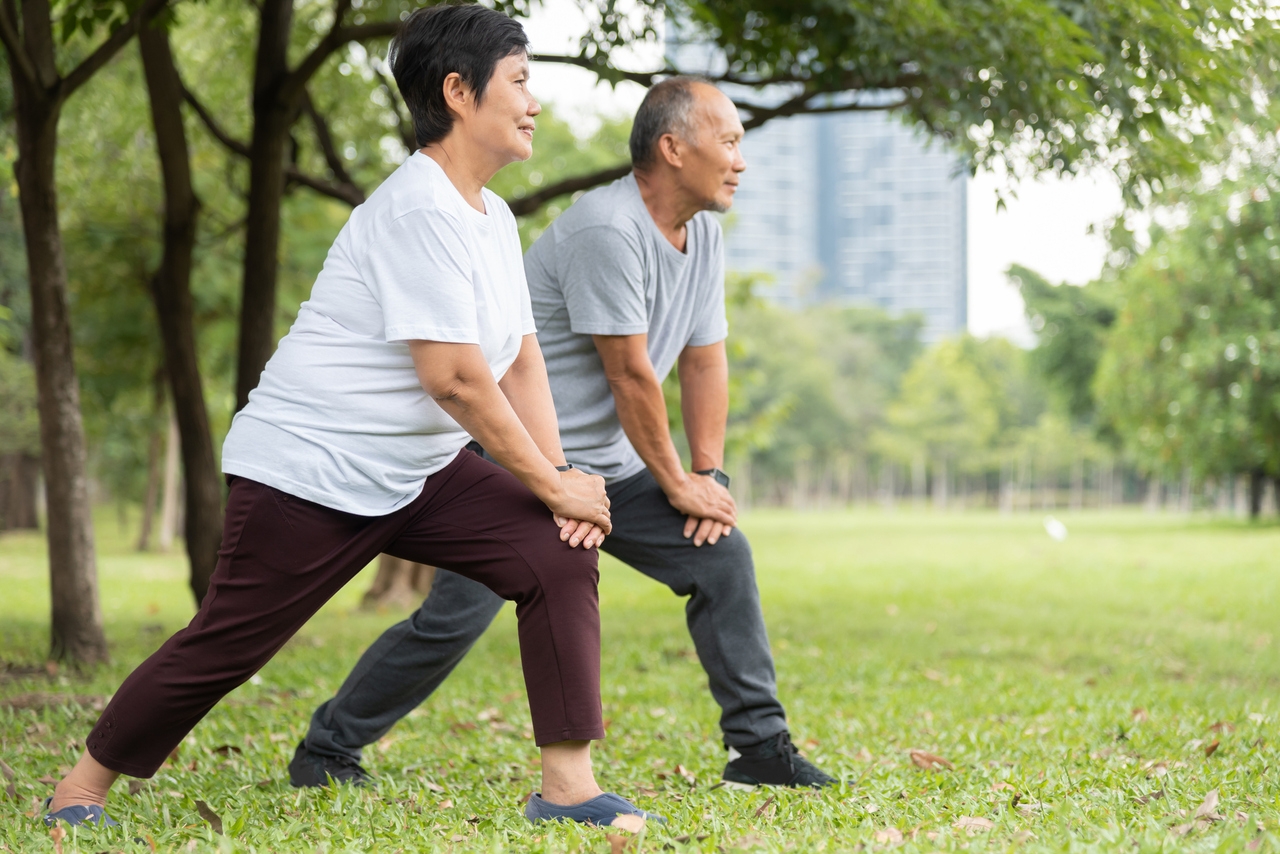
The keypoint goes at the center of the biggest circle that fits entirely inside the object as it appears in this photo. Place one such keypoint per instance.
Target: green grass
(1077, 678)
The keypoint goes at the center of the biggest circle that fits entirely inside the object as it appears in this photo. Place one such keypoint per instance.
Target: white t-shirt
(339, 416)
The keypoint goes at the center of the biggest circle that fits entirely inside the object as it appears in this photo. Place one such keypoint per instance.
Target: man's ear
(671, 148)
(457, 95)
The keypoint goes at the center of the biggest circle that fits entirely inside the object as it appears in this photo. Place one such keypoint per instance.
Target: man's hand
(711, 509)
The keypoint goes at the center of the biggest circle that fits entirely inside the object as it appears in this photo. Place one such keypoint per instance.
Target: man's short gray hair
(666, 108)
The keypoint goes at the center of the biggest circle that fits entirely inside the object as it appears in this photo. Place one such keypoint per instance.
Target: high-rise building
(852, 208)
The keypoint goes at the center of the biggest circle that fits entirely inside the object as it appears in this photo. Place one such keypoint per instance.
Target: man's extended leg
(725, 622)
(401, 669)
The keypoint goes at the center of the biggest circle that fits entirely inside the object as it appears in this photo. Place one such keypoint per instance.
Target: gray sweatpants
(410, 660)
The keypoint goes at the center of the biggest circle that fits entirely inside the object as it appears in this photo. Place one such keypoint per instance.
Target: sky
(1046, 224)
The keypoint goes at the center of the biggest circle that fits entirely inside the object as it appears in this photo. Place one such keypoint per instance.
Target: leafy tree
(1071, 324)
(1191, 374)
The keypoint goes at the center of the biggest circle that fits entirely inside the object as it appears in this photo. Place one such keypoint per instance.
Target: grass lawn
(1077, 688)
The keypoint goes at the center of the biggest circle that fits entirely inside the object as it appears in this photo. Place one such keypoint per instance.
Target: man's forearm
(704, 403)
(642, 411)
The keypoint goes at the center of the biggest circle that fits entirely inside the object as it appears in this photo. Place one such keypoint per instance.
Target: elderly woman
(418, 337)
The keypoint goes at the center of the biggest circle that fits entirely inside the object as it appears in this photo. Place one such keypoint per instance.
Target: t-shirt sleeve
(712, 324)
(602, 278)
(419, 271)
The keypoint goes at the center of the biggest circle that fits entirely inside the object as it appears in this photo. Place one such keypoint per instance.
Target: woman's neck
(465, 166)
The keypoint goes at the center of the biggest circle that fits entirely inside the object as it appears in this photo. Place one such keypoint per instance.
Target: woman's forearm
(529, 393)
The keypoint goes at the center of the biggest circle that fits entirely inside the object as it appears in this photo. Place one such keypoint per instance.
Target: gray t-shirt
(604, 268)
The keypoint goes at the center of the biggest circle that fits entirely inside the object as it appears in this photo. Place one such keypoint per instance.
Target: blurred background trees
(204, 166)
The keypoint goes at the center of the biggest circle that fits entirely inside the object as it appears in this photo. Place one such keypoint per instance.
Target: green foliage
(19, 424)
(1071, 325)
(1142, 86)
(1191, 376)
(1049, 673)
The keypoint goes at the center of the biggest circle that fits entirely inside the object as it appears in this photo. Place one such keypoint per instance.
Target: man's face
(711, 156)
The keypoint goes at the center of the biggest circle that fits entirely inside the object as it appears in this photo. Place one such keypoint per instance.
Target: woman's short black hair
(439, 40)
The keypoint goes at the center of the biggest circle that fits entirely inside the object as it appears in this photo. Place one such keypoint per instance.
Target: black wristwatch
(717, 475)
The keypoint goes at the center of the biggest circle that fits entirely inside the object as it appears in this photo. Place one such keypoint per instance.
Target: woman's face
(503, 120)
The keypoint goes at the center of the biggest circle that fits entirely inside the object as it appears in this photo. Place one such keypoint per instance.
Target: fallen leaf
(1210, 748)
(57, 834)
(136, 786)
(890, 836)
(6, 770)
(1208, 809)
(974, 824)
(1139, 714)
(458, 837)
(1242, 817)
(460, 725)
(1002, 786)
(933, 676)
(617, 843)
(1223, 726)
(227, 749)
(446, 804)
(474, 819)
(1182, 829)
(47, 780)
(766, 805)
(207, 813)
(11, 792)
(434, 787)
(1143, 800)
(929, 761)
(1023, 836)
(525, 799)
(689, 776)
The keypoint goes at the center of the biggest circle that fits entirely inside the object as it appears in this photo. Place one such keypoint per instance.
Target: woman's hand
(581, 508)
(574, 531)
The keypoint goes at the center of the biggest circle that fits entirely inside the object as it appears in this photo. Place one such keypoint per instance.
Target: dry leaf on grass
(207, 813)
(57, 834)
(974, 824)
(1223, 726)
(1143, 800)
(764, 806)
(1139, 714)
(435, 787)
(1210, 748)
(1208, 809)
(11, 792)
(47, 780)
(446, 804)
(889, 836)
(689, 776)
(617, 843)
(6, 770)
(1002, 786)
(227, 749)
(929, 761)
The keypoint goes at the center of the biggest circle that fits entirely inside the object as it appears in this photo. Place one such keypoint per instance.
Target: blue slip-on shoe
(78, 814)
(600, 810)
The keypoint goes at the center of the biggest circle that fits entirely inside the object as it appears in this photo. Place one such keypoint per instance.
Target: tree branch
(13, 44)
(800, 106)
(407, 134)
(109, 48)
(530, 203)
(337, 36)
(232, 144)
(348, 193)
(331, 156)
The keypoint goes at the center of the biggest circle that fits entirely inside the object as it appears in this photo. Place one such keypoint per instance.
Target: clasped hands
(710, 510)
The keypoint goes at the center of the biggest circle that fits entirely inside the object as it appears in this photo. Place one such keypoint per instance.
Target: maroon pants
(283, 557)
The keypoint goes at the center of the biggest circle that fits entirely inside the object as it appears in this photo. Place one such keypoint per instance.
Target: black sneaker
(773, 762)
(308, 769)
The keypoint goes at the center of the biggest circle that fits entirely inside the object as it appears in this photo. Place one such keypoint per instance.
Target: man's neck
(670, 208)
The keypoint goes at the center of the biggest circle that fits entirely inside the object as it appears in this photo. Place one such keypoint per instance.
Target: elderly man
(628, 283)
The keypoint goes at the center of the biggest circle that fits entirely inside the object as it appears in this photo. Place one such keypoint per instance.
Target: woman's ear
(457, 94)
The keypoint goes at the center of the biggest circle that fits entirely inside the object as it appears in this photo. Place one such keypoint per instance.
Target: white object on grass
(1055, 529)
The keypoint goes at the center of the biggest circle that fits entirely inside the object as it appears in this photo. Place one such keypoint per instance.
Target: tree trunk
(171, 291)
(19, 480)
(400, 584)
(271, 122)
(1257, 479)
(76, 618)
(169, 495)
